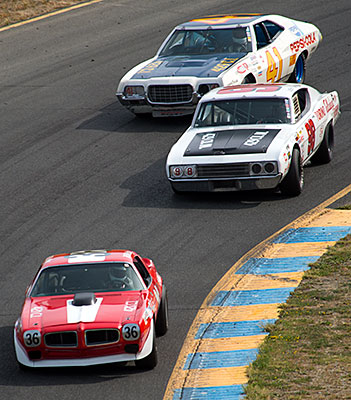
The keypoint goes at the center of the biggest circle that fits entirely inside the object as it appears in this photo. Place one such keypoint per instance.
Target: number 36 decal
(131, 332)
(32, 338)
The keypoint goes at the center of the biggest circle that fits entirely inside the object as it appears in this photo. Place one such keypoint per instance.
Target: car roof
(221, 20)
(255, 90)
(89, 256)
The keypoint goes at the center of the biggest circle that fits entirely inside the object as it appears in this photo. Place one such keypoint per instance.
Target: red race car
(92, 307)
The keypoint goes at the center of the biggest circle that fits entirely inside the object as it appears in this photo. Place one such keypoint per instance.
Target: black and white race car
(214, 51)
(256, 136)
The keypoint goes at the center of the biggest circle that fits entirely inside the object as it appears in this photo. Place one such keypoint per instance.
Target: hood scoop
(84, 299)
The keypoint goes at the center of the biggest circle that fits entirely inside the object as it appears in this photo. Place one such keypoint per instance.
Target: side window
(261, 36)
(301, 102)
(142, 271)
(273, 29)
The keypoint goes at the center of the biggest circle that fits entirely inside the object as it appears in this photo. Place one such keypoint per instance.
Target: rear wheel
(325, 152)
(293, 182)
(299, 72)
(248, 79)
(162, 315)
(150, 361)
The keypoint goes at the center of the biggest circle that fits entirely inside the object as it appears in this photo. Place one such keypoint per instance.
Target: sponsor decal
(242, 68)
(303, 42)
(328, 104)
(254, 139)
(299, 136)
(207, 140)
(130, 306)
(320, 113)
(36, 312)
(296, 30)
(150, 67)
(292, 60)
(224, 64)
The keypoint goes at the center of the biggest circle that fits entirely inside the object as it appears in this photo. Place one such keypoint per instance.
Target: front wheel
(162, 315)
(299, 72)
(150, 361)
(293, 182)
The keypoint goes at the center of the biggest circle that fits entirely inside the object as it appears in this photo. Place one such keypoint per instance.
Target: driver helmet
(118, 273)
(239, 36)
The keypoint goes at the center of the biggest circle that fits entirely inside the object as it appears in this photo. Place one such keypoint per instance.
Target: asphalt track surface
(78, 172)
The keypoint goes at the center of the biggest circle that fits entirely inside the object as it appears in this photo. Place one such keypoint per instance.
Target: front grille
(101, 336)
(170, 93)
(223, 170)
(61, 339)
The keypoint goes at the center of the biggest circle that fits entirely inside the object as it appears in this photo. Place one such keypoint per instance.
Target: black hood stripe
(233, 141)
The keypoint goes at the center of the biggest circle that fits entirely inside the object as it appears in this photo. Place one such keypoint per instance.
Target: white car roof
(252, 91)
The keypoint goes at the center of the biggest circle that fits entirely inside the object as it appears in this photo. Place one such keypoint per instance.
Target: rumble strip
(229, 327)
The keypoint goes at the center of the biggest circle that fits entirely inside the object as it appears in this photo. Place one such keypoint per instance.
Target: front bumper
(143, 106)
(23, 359)
(225, 184)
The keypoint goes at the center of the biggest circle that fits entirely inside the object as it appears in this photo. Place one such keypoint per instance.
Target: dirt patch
(12, 11)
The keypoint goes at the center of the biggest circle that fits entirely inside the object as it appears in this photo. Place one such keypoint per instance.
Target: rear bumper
(225, 184)
(23, 359)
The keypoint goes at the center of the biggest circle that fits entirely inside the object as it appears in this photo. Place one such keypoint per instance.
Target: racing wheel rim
(299, 70)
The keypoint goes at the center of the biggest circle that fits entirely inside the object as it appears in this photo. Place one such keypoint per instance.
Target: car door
(308, 128)
(273, 52)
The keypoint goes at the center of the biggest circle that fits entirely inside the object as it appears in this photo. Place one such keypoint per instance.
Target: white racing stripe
(77, 314)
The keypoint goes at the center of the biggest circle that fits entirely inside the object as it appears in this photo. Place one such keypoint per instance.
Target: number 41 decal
(272, 68)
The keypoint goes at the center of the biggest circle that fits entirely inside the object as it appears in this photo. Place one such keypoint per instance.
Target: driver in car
(239, 41)
(119, 277)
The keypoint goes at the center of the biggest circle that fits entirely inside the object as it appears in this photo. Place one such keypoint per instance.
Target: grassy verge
(12, 11)
(307, 354)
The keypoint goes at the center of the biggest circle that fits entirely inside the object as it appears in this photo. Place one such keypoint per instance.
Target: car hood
(58, 310)
(205, 66)
(231, 141)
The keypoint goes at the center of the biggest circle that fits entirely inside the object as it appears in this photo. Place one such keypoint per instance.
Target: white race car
(214, 51)
(256, 136)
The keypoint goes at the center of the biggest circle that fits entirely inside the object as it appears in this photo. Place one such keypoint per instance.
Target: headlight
(264, 168)
(183, 171)
(134, 91)
(32, 338)
(206, 87)
(131, 332)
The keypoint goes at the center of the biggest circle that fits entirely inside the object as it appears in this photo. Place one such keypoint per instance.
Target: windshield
(106, 277)
(184, 42)
(243, 112)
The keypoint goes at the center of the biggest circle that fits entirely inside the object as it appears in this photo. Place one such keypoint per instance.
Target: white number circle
(131, 332)
(32, 338)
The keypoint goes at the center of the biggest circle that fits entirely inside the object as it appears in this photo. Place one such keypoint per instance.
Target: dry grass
(12, 11)
(308, 352)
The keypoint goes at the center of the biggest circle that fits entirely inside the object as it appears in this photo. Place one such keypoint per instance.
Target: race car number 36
(32, 338)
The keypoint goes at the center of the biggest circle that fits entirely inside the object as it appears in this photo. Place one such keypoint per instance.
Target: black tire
(292, 184)
(23, 367)
(179, 192)
(324, 154)
(162, 315)
(248, 79)
(299, 73)
(150, 361)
